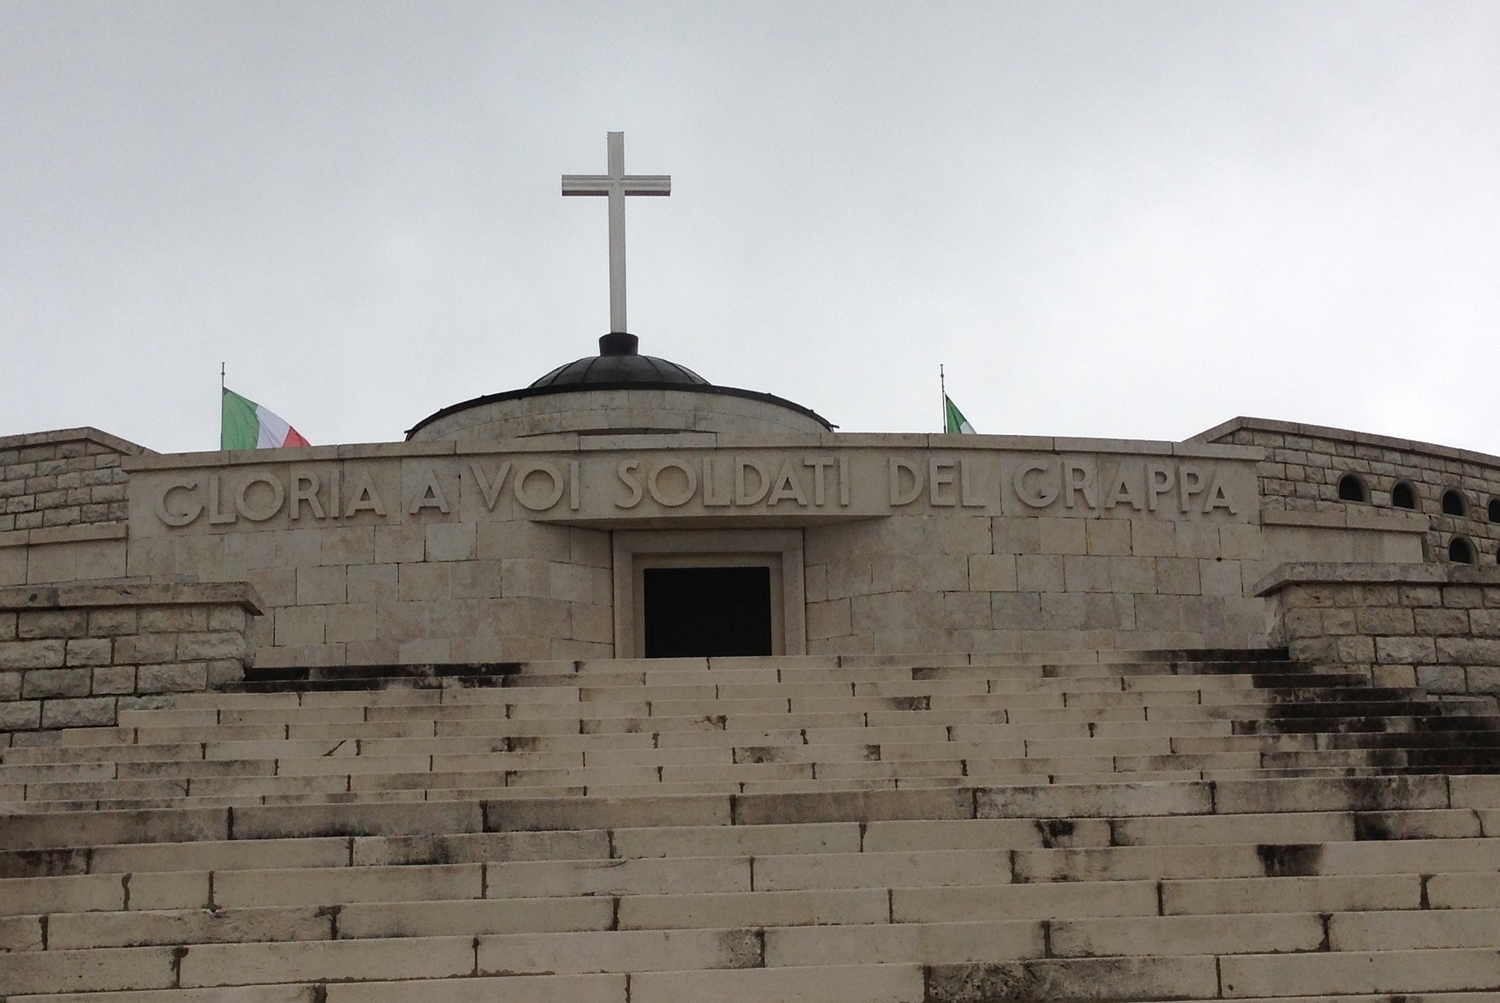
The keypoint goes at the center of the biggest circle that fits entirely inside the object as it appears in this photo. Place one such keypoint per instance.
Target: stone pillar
(75, 655)
(1431, 625)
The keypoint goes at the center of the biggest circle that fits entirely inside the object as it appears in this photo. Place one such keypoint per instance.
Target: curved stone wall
(619, 412)
(1305, 463)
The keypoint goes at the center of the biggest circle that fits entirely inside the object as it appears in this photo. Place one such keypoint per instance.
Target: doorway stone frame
(777, 549)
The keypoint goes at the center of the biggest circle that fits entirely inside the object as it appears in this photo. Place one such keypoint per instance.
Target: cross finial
(616, 184)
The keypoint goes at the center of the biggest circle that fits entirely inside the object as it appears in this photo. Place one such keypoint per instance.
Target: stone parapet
(62, 478)
(1430, 625)
(1304, 464)
(75, 656)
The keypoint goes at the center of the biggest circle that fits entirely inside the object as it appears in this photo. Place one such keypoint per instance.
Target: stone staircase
(1095, 826)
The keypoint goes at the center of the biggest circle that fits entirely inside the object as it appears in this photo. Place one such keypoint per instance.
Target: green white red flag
(248, 425)
(953, 419)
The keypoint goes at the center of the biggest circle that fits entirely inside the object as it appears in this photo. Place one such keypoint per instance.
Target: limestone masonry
(624, 687)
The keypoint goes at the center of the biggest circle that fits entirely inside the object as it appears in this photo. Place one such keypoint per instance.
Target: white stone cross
(616, 184)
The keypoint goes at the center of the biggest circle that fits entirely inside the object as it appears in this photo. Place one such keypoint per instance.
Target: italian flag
(955, 421)
(248, 425)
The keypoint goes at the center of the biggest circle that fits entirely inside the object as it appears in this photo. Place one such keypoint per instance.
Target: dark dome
(619, 361)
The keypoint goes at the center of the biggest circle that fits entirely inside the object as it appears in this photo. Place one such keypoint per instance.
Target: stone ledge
(240, 594)
(1344, 435)
(1349, 517)
(85, 432)
(86, 532)
(1284, 576)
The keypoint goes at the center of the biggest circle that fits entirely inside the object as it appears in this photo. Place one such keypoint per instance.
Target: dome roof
(619, 362)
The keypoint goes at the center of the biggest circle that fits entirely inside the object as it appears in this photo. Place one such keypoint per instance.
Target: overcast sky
(1114, 219)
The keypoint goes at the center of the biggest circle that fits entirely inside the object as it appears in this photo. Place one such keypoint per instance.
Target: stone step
(1118, 801)
(373, 781)
(378, 775)
(1258, 877)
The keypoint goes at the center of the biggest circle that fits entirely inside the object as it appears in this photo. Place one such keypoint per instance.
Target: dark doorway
(693, 612)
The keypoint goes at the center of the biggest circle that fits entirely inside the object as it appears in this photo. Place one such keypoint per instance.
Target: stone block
(1347, 973)
(125, 969)
(89, 651)
(1094, 800)
(1468, 650)
(1394, 675)
(1219, 577)
(1039, 573)
(851, 983)
(1421, 595)
(113, 680)
(173, 619)
(1303, 596)
(1109, 537)
(829, 619)
(7, 626)
(400, 544)
(334, 961)
(1405, 650)
(1336, 620)
(754, 909)
(1075, 979)
(40, 654)
(1299, 623)
(1462, 596)
(451, 541)
(1387, 621)
(231, 618)
(1132, 574)
(1441, 678)
(994, 573)
(1152, 538)
(86, 712)
(1086, 574)
(1016, 611)
(51, 623)
(301, 625)
(215, 645)
(145, 649)
(109, 622)
(1015, 535)
(1177, 576)
(372, 583)
(351, 622)
(1315, 650)
(348, 545)
(1356, 650)
(10, 685)
(426, 582)
(43, 683)
(183, 677)
(20, 715)
(1062, 536)
(322, 586)
(1484, 679)
(1484, 622)
(223, 672)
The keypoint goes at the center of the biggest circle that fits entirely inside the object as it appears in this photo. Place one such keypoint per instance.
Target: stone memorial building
(632, 687)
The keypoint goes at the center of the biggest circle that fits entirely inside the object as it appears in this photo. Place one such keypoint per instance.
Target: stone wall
(75, 656)
(62, 478)
(1435, 626)
(971, 583)
(1304, 464)
(63, 506)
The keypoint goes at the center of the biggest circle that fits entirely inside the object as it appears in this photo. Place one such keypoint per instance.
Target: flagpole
(943, 389)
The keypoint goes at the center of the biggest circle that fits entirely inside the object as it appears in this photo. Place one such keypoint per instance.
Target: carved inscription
(735, 482)
(603, 486)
